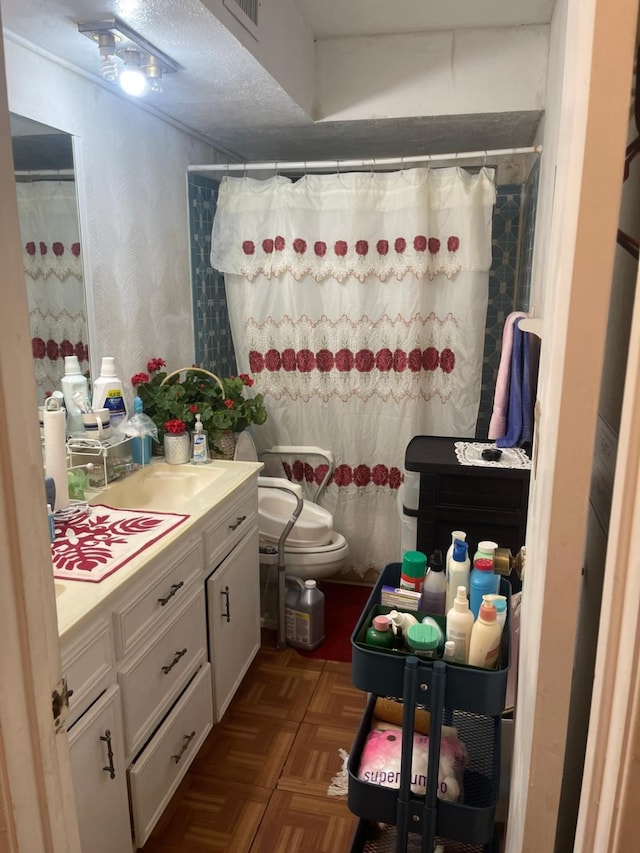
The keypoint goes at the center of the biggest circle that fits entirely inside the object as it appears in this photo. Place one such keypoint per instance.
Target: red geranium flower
(382, 247)
(139, 379)
(340, 248)
(434, 245)
(175, 427)
(420, 243)
(256, 361)
(400, 245)
(229, 404)
(447, 360)
(248, 247)
(279, 244)
(299, 246)
(193, 408)
(453, 244)
(362, 247)
(30, 248)
(267, 246)
(154, 364)
(320, 248)
(247, 380)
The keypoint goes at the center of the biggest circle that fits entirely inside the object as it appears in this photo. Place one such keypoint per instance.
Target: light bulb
(133, 81)
(109, 67)
(153, 71)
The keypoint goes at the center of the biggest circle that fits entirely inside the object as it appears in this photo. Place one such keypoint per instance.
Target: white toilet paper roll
(55, 451)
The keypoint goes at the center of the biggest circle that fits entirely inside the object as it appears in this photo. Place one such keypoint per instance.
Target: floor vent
(246, 13)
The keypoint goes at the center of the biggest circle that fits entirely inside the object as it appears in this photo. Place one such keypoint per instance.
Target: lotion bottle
(485, 638)
(199, 446)
(455, 534)
(459, 626)
(457, 571)
(108, 393)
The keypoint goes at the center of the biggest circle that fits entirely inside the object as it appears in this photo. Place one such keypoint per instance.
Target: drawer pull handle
(174, 588)
(110, 769)
(176, 658)
(239, 521)
(187, 740)
(227, 613)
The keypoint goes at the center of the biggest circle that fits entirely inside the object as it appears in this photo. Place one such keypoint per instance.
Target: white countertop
(76, 600)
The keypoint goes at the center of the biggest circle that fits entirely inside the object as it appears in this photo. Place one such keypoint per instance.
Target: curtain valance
(426, 222)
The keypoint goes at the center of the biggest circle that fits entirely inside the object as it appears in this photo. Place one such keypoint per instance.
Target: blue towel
(518, 429)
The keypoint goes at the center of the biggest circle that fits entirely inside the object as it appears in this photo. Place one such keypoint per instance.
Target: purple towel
(498, 423)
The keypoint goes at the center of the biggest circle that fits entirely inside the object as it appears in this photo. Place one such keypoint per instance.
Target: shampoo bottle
(108, 393)
(199, 447)
(459, 626)
(457, 571)
(434, 589)
(73, 382)
(485, 638)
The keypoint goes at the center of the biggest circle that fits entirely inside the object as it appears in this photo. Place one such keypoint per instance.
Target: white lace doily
(470, 453)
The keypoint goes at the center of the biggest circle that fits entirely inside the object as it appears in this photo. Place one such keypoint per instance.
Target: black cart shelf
(470, 699)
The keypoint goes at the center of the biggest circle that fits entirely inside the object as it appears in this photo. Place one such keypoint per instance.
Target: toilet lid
(245, 449)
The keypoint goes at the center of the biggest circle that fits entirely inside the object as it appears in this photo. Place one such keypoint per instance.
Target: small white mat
(470, 453)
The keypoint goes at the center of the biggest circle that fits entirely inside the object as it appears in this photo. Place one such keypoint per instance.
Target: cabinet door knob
(227, 612)
(174, 588)
(186, 741)
(176, 658)
(110, 769)
(239, 521)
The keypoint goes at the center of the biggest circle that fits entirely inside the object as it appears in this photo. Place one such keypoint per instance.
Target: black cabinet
(487, 502)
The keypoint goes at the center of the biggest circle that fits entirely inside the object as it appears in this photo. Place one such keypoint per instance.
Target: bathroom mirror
(51, 249)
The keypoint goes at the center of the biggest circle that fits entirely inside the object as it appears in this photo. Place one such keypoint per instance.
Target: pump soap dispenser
(199, 444)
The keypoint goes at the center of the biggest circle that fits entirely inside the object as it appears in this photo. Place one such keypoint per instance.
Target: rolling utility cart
(467, 698)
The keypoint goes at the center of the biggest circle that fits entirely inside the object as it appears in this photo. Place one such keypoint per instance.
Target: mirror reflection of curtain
(53, 275)
(358, 304)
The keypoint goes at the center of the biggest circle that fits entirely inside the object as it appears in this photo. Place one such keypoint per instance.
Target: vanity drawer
(151, 603)
(153, 678)
(230, 526)
(156, 773)
(87, 664)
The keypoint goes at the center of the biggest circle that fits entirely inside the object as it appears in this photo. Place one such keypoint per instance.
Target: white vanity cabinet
(137, 660)
(233, 596)
(99, 777)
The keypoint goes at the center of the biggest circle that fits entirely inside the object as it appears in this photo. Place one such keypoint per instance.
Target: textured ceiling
(224, 94)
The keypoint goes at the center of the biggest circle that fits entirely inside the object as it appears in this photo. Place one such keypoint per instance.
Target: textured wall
(131, 170)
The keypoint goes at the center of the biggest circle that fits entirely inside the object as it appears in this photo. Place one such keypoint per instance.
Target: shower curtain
(358, 303)
(53, 275)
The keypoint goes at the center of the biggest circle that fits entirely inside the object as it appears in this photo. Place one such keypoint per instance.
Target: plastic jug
(304, 614)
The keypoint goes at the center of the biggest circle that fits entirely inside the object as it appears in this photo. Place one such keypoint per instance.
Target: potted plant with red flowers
(224, 406)
(176, 442)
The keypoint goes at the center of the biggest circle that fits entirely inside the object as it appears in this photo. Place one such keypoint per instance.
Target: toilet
(313, 548)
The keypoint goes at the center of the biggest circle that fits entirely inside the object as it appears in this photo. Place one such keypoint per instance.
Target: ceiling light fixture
(127, 58)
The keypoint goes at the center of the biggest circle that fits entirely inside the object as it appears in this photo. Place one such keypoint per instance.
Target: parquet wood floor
(259, 783)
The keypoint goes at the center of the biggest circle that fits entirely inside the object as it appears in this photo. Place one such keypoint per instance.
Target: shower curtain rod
(317, 165)
(47, 174)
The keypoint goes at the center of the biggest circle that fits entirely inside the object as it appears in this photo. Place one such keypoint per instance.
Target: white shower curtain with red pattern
(358, 304)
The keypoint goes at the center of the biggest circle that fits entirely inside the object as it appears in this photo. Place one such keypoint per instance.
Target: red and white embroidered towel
(92, 547)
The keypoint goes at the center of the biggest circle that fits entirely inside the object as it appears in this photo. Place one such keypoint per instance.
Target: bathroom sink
(160, 487)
